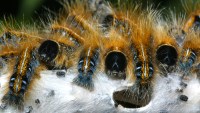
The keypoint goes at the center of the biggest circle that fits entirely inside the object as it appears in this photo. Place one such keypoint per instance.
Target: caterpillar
(20, 79)
(189, 48)
(23, 64)
(26, 58)
(128, 45)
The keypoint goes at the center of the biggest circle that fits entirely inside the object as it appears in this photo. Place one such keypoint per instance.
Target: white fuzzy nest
(53, 94)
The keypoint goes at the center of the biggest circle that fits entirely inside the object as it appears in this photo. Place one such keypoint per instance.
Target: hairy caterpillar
(23, 65)
(26, 57)
(126, 46)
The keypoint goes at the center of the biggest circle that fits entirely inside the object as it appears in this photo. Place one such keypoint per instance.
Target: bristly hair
(190, 5)
(76, 15)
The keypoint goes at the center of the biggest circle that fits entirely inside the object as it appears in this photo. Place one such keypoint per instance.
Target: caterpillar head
(116, 64)
(48, 51)
(167, 54)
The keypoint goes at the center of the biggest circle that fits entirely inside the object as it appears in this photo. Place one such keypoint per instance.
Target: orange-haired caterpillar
(135, 27)
(144, 71)
(32, 56)
(89, 52)
(90, 45)
(115, 54)
(83, 30)
(23, 73)
(143, 65)
(22, 64)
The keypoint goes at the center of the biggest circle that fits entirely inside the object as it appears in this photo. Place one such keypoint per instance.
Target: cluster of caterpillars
(125, 43)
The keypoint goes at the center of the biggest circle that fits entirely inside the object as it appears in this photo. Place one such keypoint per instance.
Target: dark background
(28, 10)
(33, 10)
